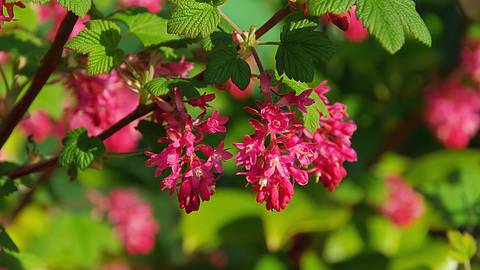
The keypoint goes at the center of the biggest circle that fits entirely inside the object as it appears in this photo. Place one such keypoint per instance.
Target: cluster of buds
(282, 151)
(193, 166)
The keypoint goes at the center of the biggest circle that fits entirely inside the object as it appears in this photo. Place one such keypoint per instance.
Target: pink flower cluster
(100, 102)
(55, 12)
(350, 24)
(9, 8)
(191, 165)
(152, 5)
(131, 216)
(133, 220)
(403, 204)
(453, 112)
(282, 152)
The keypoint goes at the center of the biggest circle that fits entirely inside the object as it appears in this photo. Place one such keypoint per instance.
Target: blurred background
(417, 175)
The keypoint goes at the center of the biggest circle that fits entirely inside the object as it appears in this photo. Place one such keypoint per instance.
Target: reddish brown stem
(49, 63)
(276, 18)
(44, 164)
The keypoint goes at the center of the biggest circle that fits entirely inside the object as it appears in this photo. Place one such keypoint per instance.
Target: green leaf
(299, 50)
(100, 42)
(37, 1)
(320, 7)
(217, 40)
(7, 186)
(462, 246)
(79, 7)
(158, 86)
(224, 64)
(6, 242)
(390, 20)
(149, 28)
(193, 19)
(80, 150)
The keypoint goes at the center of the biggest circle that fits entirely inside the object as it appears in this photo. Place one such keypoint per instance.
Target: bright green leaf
(158, 86)
(320, 7)
(149, 28)
(100, 42)
(192, 19)
(462, 246)
(80, 150)
(79, 7)
(390, 20)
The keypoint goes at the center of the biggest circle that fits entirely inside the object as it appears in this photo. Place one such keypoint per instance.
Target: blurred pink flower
(178, 69)
(152, 5)
(39, 125)
(4, 57)
(133, 220)
(55, 12)
(453, 112)
(403, 204)
(470, 61)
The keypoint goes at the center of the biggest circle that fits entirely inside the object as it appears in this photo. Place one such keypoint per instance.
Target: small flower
(202, 101)
(153, 6)
(215, 123)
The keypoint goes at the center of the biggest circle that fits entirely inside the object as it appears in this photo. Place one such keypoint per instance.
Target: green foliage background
(319, 229)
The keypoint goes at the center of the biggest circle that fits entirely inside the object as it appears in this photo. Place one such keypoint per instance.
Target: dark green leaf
(6, 242)
(299, 50)
(224, 64)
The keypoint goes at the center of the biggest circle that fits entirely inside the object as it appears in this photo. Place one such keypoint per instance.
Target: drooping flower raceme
(453, 112)
(282, 152)
(403, 204)
(192, 166)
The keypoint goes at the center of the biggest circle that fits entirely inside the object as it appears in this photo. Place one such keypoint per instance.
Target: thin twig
(4, 78)
(46, 68)
(276, 18)
(229, 21)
